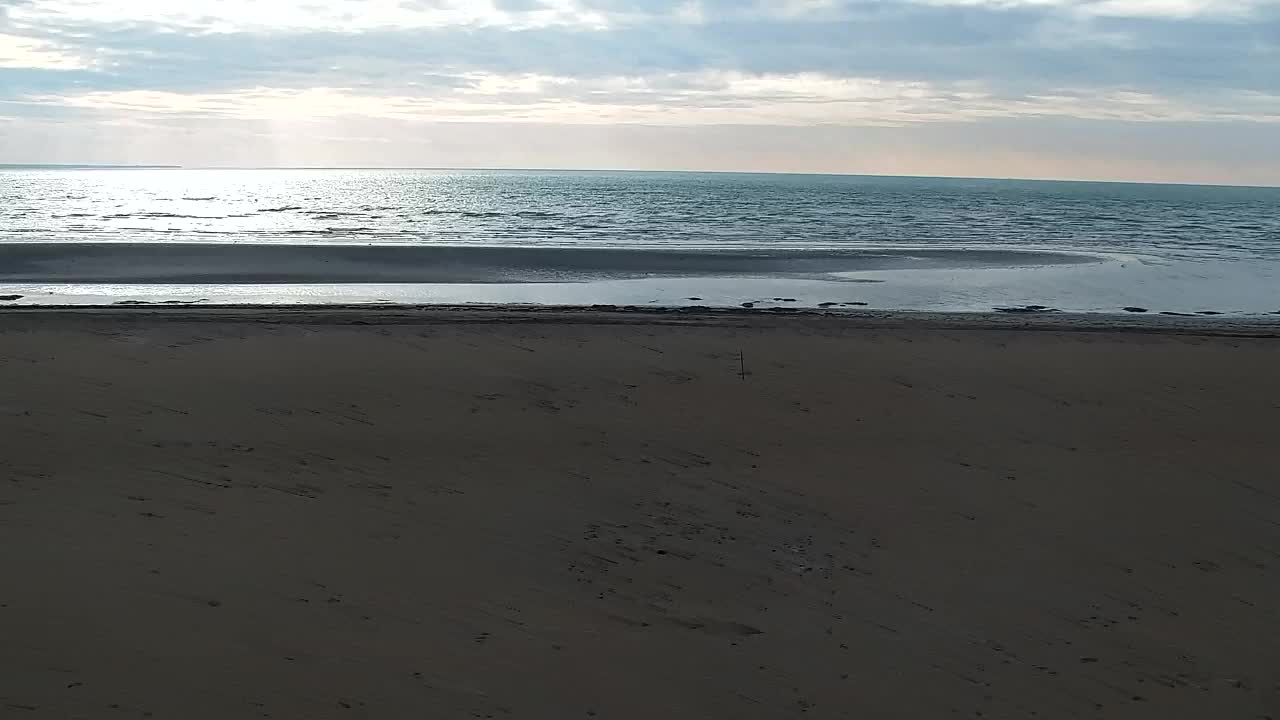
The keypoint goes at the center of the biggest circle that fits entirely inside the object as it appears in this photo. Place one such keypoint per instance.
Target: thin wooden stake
(742, 365)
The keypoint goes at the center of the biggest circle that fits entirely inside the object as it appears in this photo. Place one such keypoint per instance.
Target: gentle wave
(641, 210)
(158, 216)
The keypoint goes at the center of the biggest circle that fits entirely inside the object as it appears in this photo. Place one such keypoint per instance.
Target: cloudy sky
(1166, 90)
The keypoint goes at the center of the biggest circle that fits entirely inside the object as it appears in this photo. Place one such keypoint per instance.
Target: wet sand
(488, 514)
(236, 263)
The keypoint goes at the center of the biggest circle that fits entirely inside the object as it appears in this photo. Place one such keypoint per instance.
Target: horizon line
(166, 166)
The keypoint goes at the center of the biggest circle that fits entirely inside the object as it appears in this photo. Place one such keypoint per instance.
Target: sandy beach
(415, 513)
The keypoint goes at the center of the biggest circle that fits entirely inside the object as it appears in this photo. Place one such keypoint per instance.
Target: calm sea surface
(446, 236)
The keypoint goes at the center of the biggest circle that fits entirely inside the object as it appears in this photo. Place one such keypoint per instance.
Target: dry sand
(447, 514)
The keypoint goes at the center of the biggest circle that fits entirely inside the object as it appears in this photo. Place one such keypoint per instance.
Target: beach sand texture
(493, 515)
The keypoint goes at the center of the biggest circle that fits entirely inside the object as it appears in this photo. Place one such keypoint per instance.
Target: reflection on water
(601, 209)
(1230, 288)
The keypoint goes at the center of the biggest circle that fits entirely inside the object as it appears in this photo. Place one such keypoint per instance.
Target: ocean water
(101, 236)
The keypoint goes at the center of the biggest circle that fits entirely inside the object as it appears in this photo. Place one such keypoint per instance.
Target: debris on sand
(1028, 309)
(10, 298)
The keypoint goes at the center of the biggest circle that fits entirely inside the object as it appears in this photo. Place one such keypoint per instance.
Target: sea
(652, 239)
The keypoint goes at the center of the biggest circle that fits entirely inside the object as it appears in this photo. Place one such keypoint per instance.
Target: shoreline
(1256, 326)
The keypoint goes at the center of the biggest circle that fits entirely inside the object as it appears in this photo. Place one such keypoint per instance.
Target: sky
(1147, 90)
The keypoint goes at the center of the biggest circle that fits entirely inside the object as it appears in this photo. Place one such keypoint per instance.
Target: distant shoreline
(637, 171)
(55, 166)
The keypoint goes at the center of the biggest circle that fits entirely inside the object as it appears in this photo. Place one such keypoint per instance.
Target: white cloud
(690, 100)
(21, 52)
(1174, 9)
(1171, 8)
(302, 15)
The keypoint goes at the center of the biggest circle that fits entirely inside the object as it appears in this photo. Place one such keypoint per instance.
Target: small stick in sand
(742, 365)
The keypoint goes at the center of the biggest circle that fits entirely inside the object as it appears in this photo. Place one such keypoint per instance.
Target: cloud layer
(400, 67)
